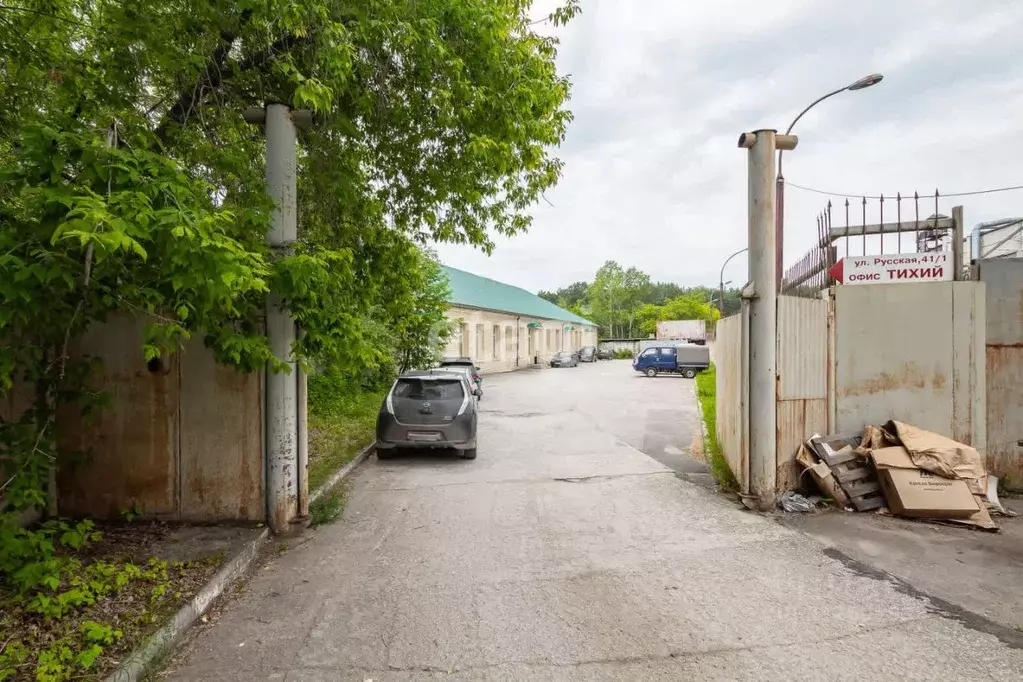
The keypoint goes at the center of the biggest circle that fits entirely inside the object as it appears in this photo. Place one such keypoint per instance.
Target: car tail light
(465, 402)
(389, 404)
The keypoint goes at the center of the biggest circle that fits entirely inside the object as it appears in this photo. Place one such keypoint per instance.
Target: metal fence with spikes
(854, 236)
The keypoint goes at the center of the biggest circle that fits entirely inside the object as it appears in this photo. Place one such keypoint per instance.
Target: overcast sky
(662, 89)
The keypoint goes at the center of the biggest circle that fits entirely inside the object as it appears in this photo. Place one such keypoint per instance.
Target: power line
(890, 196)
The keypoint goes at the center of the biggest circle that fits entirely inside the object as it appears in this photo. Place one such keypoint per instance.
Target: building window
(480, 342)
(497, 341)
(509, 341)
(463, 335)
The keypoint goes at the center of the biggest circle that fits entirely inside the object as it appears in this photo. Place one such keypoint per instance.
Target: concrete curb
(703, 422)
(342, 473)
(144, 658)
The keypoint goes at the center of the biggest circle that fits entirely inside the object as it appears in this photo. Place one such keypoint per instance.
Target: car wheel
(651, 371)
(469, 454)
(689, 373)
(385, 454)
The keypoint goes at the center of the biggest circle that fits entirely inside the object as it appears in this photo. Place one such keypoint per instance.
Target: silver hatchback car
(428, 409)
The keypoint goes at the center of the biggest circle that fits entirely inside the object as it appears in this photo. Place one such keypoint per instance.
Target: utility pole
(763, 312)
(286, 480)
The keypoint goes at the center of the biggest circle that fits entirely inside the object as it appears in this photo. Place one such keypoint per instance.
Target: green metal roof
(474, 291)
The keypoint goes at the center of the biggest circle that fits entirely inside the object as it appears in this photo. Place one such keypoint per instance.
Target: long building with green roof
(503, 327)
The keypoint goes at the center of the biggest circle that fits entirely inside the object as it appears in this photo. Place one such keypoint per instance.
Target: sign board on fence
(894, 268)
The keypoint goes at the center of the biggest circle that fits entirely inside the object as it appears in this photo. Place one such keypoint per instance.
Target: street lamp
(779, 183)
(721, 281)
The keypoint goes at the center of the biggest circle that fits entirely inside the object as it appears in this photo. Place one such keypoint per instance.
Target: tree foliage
(130, 184)
(689, 306)
(627, 304)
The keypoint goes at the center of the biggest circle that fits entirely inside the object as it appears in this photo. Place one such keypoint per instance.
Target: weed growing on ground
(706, 393)
(55, 596)
(328, 507)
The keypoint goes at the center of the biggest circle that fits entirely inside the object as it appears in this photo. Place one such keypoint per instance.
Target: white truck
(693, 331)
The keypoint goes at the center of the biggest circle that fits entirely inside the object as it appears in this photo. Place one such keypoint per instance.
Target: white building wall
(512, 352)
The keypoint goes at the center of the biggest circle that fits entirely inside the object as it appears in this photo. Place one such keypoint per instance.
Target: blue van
(686, 360)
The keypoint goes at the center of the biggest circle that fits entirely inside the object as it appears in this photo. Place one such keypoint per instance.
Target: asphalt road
(566, 553)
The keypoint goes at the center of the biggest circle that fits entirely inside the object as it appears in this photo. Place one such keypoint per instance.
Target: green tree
(129, 183)
(606, 295)
(419, 328)
(572, 295)
(689, 306)
(663, 291)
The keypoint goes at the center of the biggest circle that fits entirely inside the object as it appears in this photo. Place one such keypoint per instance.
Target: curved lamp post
(721, 281)
(779, 183)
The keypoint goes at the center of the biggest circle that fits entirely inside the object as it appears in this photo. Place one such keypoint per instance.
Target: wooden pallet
(854, 474)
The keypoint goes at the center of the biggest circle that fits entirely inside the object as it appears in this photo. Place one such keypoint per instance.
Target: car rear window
(429, 389)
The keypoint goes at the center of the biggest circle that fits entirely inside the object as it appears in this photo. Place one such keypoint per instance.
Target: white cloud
(662, 89)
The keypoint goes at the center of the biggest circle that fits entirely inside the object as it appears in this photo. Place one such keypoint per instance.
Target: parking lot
(572, 548)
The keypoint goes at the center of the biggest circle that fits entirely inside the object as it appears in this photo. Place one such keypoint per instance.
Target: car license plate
(423, 436)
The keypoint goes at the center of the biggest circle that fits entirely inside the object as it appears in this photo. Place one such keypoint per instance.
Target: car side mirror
(476, 392)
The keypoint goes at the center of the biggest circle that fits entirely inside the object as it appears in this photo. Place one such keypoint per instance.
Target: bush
(623, 354)
(342, 418)
(706, 393)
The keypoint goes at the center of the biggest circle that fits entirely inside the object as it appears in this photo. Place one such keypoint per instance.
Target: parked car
(605, 354)
(468, 373)
(427, 409)
(685, 360)
(587, 354)
(565, 359)
(463, 361)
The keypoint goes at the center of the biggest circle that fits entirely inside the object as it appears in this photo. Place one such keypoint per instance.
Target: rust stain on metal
(130, 450)
(221, 446)
(911, 376)
(1005, 410)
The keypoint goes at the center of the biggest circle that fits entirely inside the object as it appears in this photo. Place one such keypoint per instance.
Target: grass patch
(339, 426)
(706, 393)
(328, 507)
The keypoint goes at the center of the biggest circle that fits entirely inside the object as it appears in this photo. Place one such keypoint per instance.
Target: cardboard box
(911, 491)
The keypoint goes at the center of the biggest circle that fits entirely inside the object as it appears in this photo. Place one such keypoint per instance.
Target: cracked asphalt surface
(577, 548)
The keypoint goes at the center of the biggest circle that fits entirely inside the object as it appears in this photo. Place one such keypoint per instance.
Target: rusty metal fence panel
(802, 398)
(182, 438)
(1003, 281)
(910, 352)
(730, 349)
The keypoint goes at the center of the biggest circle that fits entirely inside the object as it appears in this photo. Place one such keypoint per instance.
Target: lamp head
(866, 82)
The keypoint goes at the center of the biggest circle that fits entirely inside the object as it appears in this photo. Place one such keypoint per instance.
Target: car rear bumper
(421, 445)
(459, 434)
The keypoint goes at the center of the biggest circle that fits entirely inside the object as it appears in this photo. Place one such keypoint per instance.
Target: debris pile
(902, 470)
